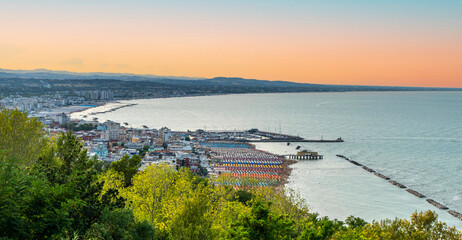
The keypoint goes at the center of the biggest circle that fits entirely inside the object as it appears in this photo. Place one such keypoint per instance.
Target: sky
(393, 43)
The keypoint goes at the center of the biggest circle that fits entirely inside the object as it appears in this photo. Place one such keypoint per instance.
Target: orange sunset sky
(402, 43)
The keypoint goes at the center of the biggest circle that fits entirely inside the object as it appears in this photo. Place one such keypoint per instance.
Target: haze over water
(415, 138)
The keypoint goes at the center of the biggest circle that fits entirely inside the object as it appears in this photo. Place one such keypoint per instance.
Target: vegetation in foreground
(51, 189)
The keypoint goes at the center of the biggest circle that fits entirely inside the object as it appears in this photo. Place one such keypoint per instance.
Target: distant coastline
(133, 86)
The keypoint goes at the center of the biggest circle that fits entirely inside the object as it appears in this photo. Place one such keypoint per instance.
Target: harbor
(235, 159)
(255, 136)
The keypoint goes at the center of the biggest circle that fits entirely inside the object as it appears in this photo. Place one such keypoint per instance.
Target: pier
(256, 136)
(303, 157)
(338, 140)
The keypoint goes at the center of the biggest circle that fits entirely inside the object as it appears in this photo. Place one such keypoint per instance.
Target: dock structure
(255, 136)
(304, 157)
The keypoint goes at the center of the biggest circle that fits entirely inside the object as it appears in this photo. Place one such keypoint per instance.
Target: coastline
(102, 104)
(285, 174)
(378, 188)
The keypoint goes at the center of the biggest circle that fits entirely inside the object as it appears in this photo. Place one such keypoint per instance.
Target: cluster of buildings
(39, 103)
(96, 95)
(109, 141)
(36, 104)
(203, 152)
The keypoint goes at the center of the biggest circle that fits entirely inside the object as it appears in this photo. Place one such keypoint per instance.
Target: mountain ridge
(216, 82)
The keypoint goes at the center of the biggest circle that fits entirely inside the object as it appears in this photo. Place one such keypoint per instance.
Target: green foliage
(21, 137)
(31, 208)
(320, 228)
(64, 194)
(65, 160)
(79, 127)
(260, 223)
(144, 151)
(355, 222)
(242, 196)
(120, 224)
(423, 225)
(127, 166)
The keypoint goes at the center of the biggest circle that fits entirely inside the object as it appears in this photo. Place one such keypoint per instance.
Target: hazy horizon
(392, 43)
(154, 76)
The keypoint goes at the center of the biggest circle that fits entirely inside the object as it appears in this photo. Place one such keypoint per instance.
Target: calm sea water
(413, 137)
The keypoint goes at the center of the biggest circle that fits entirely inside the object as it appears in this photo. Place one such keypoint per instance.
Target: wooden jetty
(303, 157)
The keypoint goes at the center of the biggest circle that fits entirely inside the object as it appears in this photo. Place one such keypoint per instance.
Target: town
(206, 153)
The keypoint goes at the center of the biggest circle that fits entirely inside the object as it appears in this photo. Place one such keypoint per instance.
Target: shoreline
(303, 184)
(285, 174)
(250, 93)
(286, 166)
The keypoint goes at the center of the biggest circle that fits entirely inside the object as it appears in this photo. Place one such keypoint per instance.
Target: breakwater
(411, 191)
(257, 136)
(113, 109)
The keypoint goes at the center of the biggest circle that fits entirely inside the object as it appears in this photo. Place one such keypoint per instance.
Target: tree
(64, 159)
(21, 137)
(181, 205)
(422, 225)
(30, 207)
(260, 223)
(355, 222)
(128, 166)
(65, 163)
(144, 151)
(120, 224)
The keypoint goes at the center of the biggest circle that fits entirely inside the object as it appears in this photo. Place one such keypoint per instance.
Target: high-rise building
(112, 131)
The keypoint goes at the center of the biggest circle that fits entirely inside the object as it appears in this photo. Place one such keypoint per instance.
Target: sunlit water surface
(415, 138)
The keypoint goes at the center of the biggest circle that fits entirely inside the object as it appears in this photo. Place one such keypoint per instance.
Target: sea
(415, 138)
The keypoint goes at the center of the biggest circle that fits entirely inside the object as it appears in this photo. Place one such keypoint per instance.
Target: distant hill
(61, 75)
(43, 81)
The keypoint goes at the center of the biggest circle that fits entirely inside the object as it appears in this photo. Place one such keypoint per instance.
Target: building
(112, 131)
(62, 118)
(165, 134)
